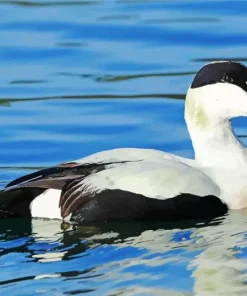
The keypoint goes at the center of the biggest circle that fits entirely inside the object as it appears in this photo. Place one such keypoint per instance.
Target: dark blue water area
(80, 76)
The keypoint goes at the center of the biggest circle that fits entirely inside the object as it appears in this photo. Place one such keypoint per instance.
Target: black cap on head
(223, 72)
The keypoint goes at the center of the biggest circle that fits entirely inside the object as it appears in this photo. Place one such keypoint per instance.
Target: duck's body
(122, 184)
(145, 184)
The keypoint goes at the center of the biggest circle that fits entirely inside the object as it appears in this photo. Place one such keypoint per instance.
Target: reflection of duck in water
(55, 240)
(144, 184)
(220, 269)
(200, 259)
(154, 259)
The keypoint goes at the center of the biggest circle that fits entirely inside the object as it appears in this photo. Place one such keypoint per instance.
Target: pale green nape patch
(195, 112)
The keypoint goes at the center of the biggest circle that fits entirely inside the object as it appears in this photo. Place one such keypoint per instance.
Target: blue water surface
(82, 76)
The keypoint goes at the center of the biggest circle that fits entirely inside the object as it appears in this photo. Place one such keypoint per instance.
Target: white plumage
(155, 179)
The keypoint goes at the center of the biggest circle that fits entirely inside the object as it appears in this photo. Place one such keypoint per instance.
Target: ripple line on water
(6, 101)
(118, 78)
(20, 168)
(15, 280)
(183, 20)
(28, 81)
(51, 3)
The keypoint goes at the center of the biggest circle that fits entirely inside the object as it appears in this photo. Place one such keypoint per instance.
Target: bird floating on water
(130, 184)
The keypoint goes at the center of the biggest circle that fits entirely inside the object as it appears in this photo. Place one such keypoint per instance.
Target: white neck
(213, 139)
(218, 152)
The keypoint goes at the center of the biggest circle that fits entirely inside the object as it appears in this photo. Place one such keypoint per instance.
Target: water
(82, 76)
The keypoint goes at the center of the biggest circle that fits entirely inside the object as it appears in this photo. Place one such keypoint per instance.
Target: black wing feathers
(66, 177)
(74, 197)
(56, 177)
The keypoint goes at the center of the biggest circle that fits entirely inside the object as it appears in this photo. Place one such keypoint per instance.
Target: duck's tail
(16, 203)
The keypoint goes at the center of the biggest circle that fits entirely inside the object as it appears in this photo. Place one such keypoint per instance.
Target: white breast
(232, 181)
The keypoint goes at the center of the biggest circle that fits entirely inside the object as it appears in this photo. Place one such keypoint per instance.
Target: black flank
(118, 205)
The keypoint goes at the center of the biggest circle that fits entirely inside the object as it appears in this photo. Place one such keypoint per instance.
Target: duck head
(217, 93)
